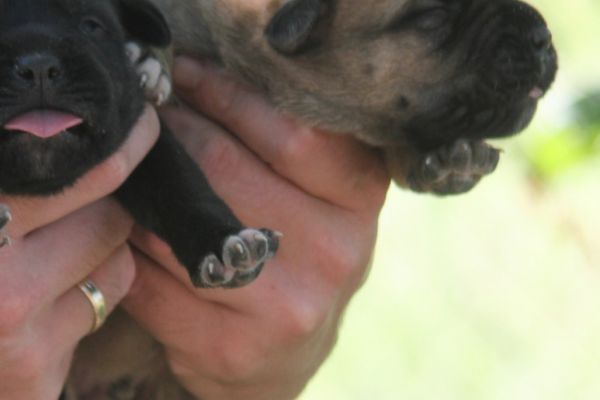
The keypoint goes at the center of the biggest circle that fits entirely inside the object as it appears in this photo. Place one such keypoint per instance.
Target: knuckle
(238, 363)
(341, 263)
(303, 320)
(298, 146)
(113, 172)
(230, 97)
(220, 157)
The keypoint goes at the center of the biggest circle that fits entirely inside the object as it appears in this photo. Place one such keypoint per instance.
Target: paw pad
(454, 169)
(243, 256)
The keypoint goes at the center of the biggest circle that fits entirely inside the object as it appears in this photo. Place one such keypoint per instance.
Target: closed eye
(93, 27)
(424, 20)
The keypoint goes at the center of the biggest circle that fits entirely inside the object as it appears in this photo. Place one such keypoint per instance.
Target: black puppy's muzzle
(38, 79)
(43, 70)
(38, 70)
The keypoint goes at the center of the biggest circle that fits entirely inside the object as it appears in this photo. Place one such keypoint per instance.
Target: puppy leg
(170, 196)
(5, 218)
(455, 168)
(152, 68)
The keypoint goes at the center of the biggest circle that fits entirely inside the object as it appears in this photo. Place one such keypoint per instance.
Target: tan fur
(315, 87)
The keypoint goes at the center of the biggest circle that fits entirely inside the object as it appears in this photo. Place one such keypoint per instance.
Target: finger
(200, 330)
(292, 278)
(258, 196)
(72, 315)
(237, 175)
(310, 158)
(44, 350)
(155, 293)
(208, 329)
(65, 252)
(30, 213)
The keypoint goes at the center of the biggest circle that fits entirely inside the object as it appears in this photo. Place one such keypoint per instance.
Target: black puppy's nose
(540, 38)
(38, 68)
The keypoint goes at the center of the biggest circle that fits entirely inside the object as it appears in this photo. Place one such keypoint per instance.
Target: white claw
(240, 248)
(160, 99)
(143, 79)
(133, 51)
(211, 268)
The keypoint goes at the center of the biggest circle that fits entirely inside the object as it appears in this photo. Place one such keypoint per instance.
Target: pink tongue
(43, 123)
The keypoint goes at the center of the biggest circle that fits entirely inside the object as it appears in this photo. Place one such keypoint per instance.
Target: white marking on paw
(154, 80)
(152, 69)
(133, 51)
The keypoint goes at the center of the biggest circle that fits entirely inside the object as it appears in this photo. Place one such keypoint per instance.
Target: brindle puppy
(426, 80)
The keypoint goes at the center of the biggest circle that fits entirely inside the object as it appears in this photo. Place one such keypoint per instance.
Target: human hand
(57, 242)
(324, 192)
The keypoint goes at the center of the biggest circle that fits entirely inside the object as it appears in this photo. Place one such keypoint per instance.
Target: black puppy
(69, 98)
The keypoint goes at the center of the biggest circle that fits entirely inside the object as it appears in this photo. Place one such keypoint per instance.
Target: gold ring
(97, 301)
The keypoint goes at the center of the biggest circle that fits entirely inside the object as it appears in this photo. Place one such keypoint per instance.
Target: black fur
(82, 42)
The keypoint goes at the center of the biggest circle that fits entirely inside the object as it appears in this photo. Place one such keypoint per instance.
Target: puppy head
(69, 94)
(427, 70)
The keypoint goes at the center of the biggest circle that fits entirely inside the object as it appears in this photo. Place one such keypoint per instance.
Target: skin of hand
(57, 242)
(323, 192)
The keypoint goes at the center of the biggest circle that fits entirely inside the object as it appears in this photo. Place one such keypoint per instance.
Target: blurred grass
(493, 295)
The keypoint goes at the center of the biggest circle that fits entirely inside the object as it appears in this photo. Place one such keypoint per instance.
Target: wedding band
(97, 301)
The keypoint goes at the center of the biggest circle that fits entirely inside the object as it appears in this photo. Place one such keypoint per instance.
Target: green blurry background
(495, 294)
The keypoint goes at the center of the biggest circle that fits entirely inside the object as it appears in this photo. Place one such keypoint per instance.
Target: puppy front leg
(169, 195)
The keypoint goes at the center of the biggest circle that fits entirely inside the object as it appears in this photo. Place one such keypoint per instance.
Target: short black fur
(69, 56)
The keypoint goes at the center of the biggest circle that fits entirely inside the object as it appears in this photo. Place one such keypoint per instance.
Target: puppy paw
(243, 256)
(5, 218)
(154, 75)
(454, 169)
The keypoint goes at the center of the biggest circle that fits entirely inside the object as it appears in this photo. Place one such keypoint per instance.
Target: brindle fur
(362, 73)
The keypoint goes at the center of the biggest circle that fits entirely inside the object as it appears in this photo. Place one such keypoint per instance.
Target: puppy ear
(290, 28)
(144, 22)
